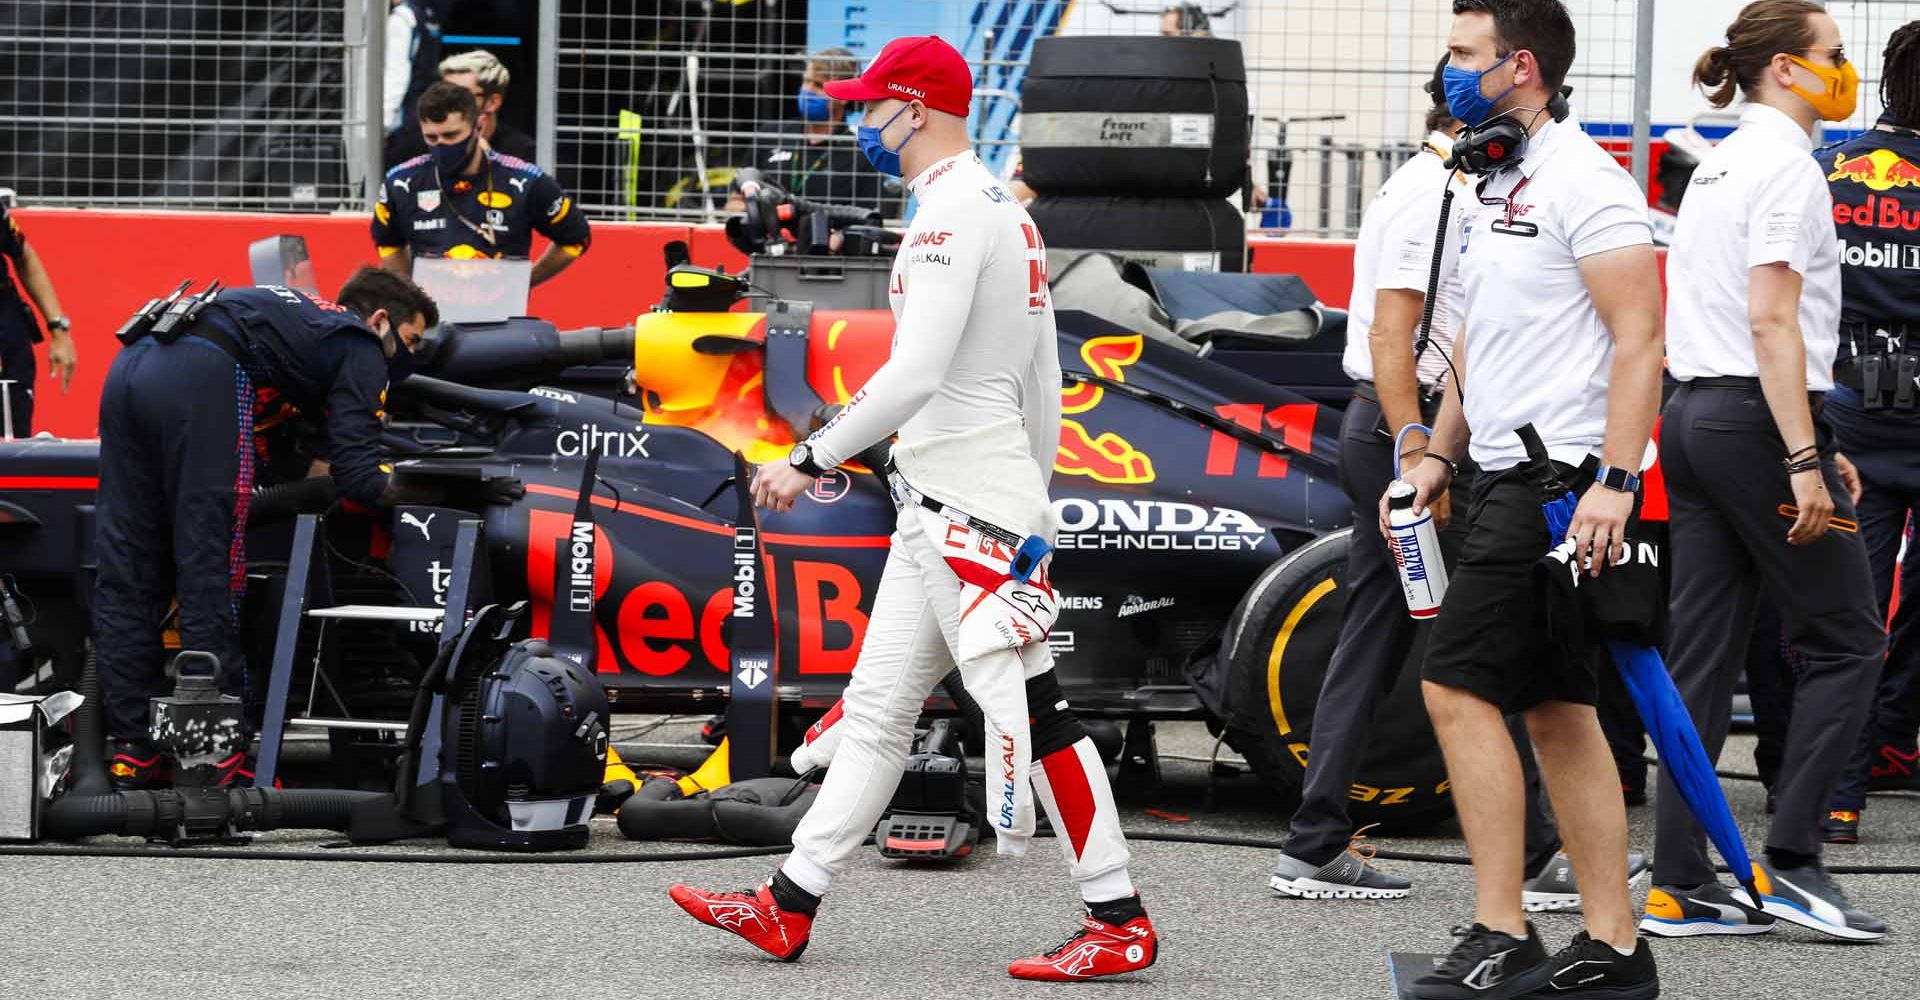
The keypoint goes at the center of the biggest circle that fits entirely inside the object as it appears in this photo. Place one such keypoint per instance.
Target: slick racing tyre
(1192, 234)
(1144, 117)
(1277, 645)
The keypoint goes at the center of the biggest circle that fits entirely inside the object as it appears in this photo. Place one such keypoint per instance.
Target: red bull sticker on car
(1107, 457)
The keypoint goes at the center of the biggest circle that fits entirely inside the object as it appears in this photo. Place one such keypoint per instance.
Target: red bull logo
(1879, 170)
(1108, 457)
(1107, 357)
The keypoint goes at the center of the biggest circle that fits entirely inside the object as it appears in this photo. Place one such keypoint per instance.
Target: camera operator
(1562, 334)
(1874, 409)
(814, 156)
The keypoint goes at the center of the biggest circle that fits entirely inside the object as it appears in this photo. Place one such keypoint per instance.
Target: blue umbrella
(1668, 722)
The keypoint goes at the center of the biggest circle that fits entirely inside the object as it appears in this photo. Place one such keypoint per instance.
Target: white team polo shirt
(1395, 250)
(1757, 198)
(1536, 349)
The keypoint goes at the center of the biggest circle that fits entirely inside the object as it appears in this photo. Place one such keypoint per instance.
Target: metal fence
(236, 104)
(659, 103)
(646, 107)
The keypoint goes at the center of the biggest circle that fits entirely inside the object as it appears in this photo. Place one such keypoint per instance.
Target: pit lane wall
(107, 263)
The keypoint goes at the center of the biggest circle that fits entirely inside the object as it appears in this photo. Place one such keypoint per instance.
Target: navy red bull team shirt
(1875, 181)
(492, 214)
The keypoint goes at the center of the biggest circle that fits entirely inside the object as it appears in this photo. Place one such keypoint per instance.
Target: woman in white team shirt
(1758, 502)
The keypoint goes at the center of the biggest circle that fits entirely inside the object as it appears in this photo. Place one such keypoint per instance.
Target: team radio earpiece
(1499, 143)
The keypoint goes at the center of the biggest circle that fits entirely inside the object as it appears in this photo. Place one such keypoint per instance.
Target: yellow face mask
(1837, 102)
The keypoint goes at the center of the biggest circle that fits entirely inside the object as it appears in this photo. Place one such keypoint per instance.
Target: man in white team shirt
(1561, 333)
(973, 388)
(1393, 387)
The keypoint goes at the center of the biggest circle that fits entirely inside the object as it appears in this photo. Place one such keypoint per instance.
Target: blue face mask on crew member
(814, 106)
(1464, 98)
(884, 159)
(451, 158)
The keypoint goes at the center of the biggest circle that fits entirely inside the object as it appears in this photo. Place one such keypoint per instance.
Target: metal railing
(240, 104)
(655, 113)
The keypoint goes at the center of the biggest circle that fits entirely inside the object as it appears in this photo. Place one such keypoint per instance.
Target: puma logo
(518, 184)
(408, 519)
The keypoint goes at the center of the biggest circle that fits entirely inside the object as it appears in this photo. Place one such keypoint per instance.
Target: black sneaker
(1485, 965)
(1842, 826)
(137, 765)
(1592, 970)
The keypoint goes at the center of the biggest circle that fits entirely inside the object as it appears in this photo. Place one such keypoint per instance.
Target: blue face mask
(451, 158)
(814, 106)
(884, 159)
(1464, 99)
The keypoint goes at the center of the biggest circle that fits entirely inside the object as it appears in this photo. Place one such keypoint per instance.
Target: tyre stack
(1133, 145)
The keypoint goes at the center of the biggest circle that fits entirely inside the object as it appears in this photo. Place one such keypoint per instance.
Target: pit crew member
(463, 200)
(178, 455)
(19, 331)
(1875, 182)
(1560, 331)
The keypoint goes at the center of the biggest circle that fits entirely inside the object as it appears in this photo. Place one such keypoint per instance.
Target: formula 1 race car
(1201, 525)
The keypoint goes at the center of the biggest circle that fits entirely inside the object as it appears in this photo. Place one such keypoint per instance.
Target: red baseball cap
(916, 68)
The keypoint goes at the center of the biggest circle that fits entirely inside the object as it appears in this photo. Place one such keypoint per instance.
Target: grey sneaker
(1348, 876)
(1809, 897)
(1555, 889)
(1673, 911)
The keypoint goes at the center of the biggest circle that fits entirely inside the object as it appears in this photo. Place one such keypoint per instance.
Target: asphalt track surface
(137, 927)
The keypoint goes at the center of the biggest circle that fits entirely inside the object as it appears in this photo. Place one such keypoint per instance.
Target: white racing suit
(973, 387)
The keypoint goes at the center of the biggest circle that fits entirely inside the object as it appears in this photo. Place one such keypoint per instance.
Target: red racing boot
(1098, 948)
(752, 915)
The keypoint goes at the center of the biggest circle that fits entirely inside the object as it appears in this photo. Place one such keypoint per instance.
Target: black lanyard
(485, 230)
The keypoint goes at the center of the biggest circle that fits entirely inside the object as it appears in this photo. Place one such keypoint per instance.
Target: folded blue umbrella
(1668, 722)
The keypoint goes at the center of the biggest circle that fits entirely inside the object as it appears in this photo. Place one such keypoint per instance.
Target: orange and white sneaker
(752, 915)
(1097, 949)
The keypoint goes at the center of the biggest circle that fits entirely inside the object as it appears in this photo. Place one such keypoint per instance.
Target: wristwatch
(60, 323)
(801, 458)
(1618, 479)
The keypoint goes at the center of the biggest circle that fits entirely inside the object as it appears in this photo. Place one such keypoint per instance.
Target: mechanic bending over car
(1392, 265)
(1758, 497)
(19, 331)
(1877, 426)
(1560, 331)
(179, 451)
(973, 388)
(463, 200)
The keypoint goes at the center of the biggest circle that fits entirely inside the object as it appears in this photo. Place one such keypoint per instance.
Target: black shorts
(1490, 640)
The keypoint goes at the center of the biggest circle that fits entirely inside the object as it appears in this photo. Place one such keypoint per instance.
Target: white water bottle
(1415, 541)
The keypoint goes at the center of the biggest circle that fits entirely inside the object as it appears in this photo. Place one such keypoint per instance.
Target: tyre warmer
(184, 815)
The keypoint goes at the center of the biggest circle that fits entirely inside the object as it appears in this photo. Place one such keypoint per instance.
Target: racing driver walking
(973, 388)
